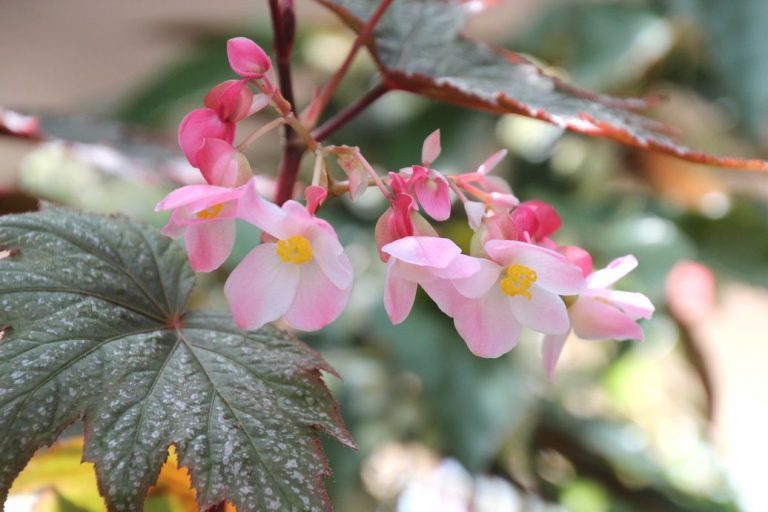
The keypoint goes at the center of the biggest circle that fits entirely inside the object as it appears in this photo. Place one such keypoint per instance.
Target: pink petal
(462, 267)
(198, 197)
(173, 228)
(430, 150)
(554, 272)
(551, 350)
(399, 294)
(201, 124)
(246, 58)
(221, 165)
(523, 221)
(209, 244)
(492, 161)
(615, 270)
(475, 212)
(544, 312)
(442, 292)
(232, 100)
(486, 324)
(266, 216)
(578, 257)
(549, 219)
(329, 255)
(261, 288)
(435, 196)
(260, 102)
(593, 319)
(635, 305)
(478, 284)
(315, 196)
(503, 200)
(318, 302)
(426, 251)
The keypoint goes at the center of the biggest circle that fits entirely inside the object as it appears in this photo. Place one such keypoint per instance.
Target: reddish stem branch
(362, 37)
(330, 126)
(284, 27)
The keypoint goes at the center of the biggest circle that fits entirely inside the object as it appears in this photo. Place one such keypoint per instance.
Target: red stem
(323, 131)
(284, 27)
(360, 40)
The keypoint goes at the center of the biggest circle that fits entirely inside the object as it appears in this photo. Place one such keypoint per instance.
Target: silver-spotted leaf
(94, 327)
(419, 47)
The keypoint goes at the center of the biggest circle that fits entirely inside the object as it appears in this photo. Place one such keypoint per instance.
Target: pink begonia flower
(518, 285)
(432, 191)
(247, 58)
(419, 260)
(204, 215)
(232, 100)
(399, 221)
(601, 313)
(222, 165)
(300, 272)
(201, 124)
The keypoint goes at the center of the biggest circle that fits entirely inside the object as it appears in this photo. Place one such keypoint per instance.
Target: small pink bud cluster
(514, 276)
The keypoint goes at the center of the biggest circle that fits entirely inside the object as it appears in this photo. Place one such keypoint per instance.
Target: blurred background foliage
(624, 427)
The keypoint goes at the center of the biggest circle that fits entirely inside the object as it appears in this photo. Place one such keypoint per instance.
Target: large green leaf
(96, 327)
(419, 47)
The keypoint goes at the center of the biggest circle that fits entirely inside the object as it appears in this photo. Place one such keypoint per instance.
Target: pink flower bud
(548, 219)
(222, 165)
(232, 100)
(246, 58)
(201, 124)
(399, 221)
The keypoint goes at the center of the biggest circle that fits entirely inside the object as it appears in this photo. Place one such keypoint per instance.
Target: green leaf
(97, 328)
(419, 47)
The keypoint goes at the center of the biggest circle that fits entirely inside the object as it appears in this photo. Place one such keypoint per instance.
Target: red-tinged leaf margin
(648, 135)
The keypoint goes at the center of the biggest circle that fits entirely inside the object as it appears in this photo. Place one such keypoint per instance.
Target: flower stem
(330, 126)
(284, 26)
(362, 37)
(261, 131)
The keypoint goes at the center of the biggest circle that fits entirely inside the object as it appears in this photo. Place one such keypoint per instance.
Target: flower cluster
(514, 275)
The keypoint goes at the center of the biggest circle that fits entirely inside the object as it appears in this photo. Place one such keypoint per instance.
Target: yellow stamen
(518, 281)
(295, 249)
(210, 213)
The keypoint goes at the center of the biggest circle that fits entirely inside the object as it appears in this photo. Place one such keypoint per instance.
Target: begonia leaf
(95, 327)
(419, 47)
